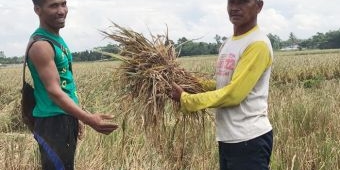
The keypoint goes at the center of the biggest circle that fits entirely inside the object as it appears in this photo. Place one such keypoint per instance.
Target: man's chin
(235, 21)
(61, 25)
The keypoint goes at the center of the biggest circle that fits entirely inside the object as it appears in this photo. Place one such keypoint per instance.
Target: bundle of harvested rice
(149, 68)
(145, 75)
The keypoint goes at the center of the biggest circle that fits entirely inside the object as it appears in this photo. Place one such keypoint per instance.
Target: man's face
(243, 12)
(53, 13)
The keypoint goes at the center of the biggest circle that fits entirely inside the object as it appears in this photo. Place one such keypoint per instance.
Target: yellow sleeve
(208, 85)
(253, 62)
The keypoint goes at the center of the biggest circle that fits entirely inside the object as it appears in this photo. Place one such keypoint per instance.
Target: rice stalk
(147, 70)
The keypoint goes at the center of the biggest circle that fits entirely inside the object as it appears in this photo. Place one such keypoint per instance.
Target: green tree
(110, 48)
(292, 40)
(333, 40)
(275, 41)
(218, 39)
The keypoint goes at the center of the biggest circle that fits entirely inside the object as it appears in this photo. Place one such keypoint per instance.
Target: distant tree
(11, 60)
(88, 56)
(275, 41)
(318, 40)
(110, 48)
(333, 40)
(187, 47)
(182, 40)
(292, 39)
(307, 44)
(218, 39)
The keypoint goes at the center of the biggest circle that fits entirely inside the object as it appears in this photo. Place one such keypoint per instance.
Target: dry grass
(145, 76)
(305, 120)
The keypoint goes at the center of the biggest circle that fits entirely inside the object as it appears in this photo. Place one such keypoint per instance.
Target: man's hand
(176, 92)
(102, 123)
(81, 130)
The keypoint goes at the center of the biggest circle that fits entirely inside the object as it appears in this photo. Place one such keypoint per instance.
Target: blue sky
(190, 18)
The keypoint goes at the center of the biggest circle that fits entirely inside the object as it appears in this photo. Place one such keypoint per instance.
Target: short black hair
(37, 2)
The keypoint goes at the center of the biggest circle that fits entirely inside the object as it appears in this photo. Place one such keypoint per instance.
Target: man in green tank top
(57, 112)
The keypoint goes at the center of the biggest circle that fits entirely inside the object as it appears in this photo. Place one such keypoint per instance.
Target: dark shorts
(57, 139)
(249, 155)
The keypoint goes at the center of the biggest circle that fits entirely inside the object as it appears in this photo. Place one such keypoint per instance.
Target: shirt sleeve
(208, 84)
(253, 62)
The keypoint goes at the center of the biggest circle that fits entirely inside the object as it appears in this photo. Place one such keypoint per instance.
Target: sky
(184, 18)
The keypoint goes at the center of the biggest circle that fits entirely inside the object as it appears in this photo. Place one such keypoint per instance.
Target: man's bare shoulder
(41, 51)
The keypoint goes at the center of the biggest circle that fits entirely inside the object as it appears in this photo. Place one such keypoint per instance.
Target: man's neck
(52, 31)
(239, 30)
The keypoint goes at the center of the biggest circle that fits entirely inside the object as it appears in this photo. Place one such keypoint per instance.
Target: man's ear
(37, 9)
(259, 5)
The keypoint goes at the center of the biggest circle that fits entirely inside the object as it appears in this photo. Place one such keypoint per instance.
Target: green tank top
(45, 107)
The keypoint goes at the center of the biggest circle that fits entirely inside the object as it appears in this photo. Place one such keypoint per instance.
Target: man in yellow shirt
(240, 92)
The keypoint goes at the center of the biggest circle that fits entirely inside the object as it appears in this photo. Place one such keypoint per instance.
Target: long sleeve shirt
(241, 88)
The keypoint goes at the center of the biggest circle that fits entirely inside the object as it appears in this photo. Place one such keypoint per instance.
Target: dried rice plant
(145, 75)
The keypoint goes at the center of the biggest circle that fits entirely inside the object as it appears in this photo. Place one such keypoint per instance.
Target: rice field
(304, 110)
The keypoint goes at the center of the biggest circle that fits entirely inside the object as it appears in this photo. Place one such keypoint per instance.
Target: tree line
(187, 47)
(329, 40)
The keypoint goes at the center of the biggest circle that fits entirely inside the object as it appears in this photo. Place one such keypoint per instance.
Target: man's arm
(255, 60)
(42, 56)
(208, 84)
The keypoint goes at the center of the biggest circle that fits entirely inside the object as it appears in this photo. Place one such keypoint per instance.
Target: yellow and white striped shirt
(240, 91)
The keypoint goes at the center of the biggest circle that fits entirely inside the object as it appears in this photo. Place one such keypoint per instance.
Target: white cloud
(272, 21)
(304, 17)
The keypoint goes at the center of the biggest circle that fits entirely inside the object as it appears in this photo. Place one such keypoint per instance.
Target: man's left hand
(176, 92)
(81, 130)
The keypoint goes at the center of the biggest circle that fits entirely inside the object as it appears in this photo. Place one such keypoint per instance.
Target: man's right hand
(102, 123)
(176, 92)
